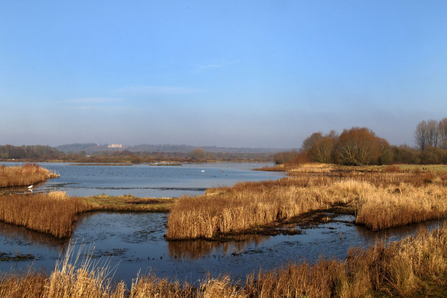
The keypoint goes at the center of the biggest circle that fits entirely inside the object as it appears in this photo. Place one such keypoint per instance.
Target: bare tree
(421, 135)
(322, 149)
(442, 133)
(432, 127)
(309, 141)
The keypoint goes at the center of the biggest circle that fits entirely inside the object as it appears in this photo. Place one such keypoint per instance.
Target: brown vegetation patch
(53, 213)
(379, 198)
(25, 175)
(128, 203)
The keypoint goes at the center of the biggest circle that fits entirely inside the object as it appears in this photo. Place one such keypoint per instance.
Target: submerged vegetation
(25, 175)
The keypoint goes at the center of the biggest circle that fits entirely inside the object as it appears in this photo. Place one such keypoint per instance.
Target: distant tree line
(92, 148)
(47, 153)
(29, 152)
(361, 146)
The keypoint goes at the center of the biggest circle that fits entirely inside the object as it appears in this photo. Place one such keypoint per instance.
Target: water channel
(134, 242)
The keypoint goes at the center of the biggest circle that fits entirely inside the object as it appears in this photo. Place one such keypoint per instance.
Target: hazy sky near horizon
(223, 73)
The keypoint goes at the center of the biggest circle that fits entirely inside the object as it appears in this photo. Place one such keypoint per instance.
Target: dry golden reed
(52, 213)
(380, 200)
(25, 175)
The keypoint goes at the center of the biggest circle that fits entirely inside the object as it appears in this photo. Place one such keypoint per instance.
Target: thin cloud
(88, 103)
(158, 90)
(92, 100)
(208, 66)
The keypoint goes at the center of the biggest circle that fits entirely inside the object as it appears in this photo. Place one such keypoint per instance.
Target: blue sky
(223, 73)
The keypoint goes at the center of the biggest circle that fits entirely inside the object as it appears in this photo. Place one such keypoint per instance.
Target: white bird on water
(203, 171)
(30, 188)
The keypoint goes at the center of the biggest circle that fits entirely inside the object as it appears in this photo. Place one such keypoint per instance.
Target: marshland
(347, 234)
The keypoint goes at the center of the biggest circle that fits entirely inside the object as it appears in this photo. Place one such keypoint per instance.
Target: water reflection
(24, 237)
(134, 242)
(398, 233)
(199, 249)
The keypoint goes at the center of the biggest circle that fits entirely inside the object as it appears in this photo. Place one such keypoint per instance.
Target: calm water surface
(148, 181)
(134, 242)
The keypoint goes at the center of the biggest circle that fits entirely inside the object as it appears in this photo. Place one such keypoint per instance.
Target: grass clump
(25, 175)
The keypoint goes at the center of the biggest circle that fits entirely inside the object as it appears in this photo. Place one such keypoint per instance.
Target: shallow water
(134, 242)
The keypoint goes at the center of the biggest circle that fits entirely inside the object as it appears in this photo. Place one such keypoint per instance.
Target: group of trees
(361, 146)
(356, 146)
(431, 133)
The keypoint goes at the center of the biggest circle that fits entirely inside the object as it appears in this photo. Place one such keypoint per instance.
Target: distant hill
(91, 148)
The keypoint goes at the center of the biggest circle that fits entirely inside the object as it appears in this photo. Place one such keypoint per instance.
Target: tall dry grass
(88, 279)
(379, 199)
(56, 213)
(385, 207)
(25, 175)
(52, 213)
(413, 267)
(247, 205)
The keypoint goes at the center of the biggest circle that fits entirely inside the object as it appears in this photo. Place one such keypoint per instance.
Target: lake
(146, 180)
(134, 242)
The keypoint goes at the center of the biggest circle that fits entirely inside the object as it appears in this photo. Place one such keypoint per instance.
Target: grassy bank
(25, 175)
(413, 267)
(379, 199)
(128, 203)
(56, 213)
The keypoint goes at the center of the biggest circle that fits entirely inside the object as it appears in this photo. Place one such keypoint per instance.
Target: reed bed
(413, 267)
(55, 213)
(52, 213)
(385, 207)
(379, 200)
(25, 175)
(246, 206)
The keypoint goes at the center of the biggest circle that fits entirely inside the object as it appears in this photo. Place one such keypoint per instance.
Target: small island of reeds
(25, 175)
